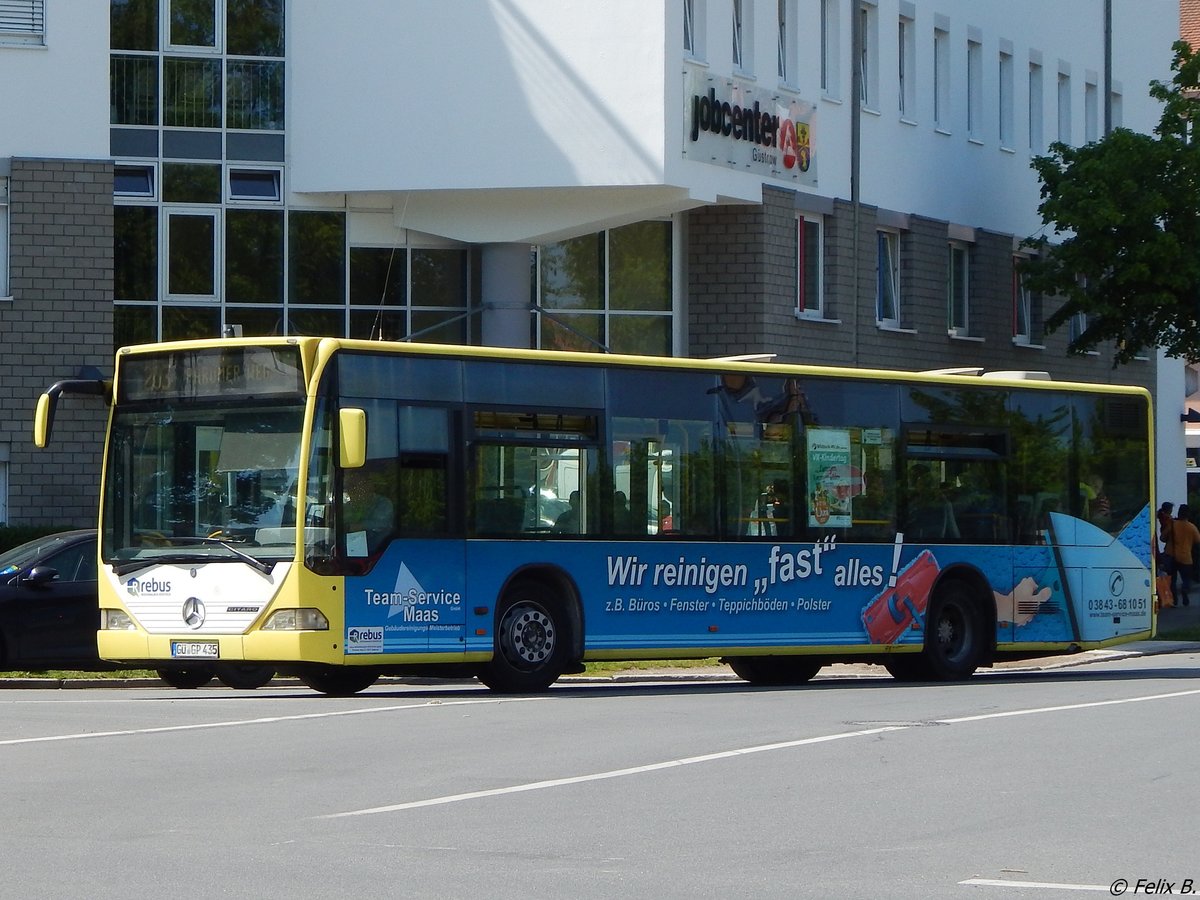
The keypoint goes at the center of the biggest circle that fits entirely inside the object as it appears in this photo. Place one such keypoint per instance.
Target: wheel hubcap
(532, 633)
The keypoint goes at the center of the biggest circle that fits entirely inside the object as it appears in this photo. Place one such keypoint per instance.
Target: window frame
(958, 308)
(1004, 90)
(27, 29)
(906, 53)
(975, 90)
(4, 265)
(890, 239)
(234, 197)
(1022, 306)
(149, 169)
(1036, 105)
(214, 214)
(830, 49)
(941, 79)
(805, 308)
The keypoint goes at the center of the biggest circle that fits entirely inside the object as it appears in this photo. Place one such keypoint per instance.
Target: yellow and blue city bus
(343, 509)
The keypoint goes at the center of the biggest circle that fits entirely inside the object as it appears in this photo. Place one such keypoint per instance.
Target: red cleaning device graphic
(901, 606)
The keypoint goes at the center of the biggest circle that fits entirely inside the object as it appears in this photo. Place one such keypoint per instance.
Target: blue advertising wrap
(1081, 585)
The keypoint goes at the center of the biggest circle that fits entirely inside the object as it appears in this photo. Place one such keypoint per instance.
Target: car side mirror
(40, 575)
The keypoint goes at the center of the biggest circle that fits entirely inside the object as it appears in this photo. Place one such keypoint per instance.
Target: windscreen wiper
(124, 568)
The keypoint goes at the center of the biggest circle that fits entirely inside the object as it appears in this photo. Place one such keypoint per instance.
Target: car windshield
(199, 480)
(20, 557)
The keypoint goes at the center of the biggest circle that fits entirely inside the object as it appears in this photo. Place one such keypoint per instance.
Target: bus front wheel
(776, 671)
(186, 679)
(530, 643)
(245, 677)
(338, 681)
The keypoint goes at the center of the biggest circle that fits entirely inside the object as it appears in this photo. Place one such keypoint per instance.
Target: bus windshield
(200, 480)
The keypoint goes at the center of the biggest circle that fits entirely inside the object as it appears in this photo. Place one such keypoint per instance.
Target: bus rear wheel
(531, 643)
(777, 671)
(338, 681)
(186, 679)
(954, 633)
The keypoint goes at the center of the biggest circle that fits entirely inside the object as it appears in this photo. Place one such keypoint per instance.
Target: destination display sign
(211, 372)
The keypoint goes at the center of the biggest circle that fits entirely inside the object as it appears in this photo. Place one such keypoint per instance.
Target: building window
(133, 181)
(1006, 100)
(191, 240)
(1035, 108)
(1022, 303)
(958, 289)
(974, 90)
(133, 90)
(422, 294)
(192, 23)
(608, 291)
(905, 74)
(254, 94)
(941, 79)
(1091, 112)
(255, 28)
(887, 293)
(737, 34)
(23, 22)
(262, 185)
(868, 55)
(3, 236)
(254, 256)
(191, 92)
(809, 296)
(689, 27)
(1064, 107)
(133, 25)
(830, 47)
(135, 254)
(788, 40)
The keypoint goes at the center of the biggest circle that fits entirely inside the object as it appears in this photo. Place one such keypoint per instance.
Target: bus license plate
(194, 649)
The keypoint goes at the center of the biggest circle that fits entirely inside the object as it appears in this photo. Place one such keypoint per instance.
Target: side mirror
(42, 419)
(40, 575)
(352, 438)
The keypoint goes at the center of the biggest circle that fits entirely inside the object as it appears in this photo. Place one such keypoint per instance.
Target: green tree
(1127, 212)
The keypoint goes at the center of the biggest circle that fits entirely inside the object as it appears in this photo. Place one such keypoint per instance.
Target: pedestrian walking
(1185, 535)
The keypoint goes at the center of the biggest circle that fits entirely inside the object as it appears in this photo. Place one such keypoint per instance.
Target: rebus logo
(147, 586)
(364, 635)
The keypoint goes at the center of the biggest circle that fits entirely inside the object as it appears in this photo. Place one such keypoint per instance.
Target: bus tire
(337, 681)
(775, 671)
(531, 642)
(244, 677)
(186, 679)
(954, 633)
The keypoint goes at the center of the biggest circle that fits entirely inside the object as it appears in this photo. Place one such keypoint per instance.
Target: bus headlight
(306, 619)
(116, 620)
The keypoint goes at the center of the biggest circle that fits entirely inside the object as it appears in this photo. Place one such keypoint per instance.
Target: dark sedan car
(49, 613)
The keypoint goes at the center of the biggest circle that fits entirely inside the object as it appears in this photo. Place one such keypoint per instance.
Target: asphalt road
(1015, 784)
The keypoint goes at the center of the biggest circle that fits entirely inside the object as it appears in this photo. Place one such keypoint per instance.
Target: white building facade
(837, 181)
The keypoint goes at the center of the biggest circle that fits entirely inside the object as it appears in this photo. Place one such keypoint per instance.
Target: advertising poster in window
(830, 478)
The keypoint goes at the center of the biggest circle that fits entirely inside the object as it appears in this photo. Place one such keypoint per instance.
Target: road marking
(615, 773)
(1048, 709)
(729, 754)
(265, 720)
(1045, 885)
